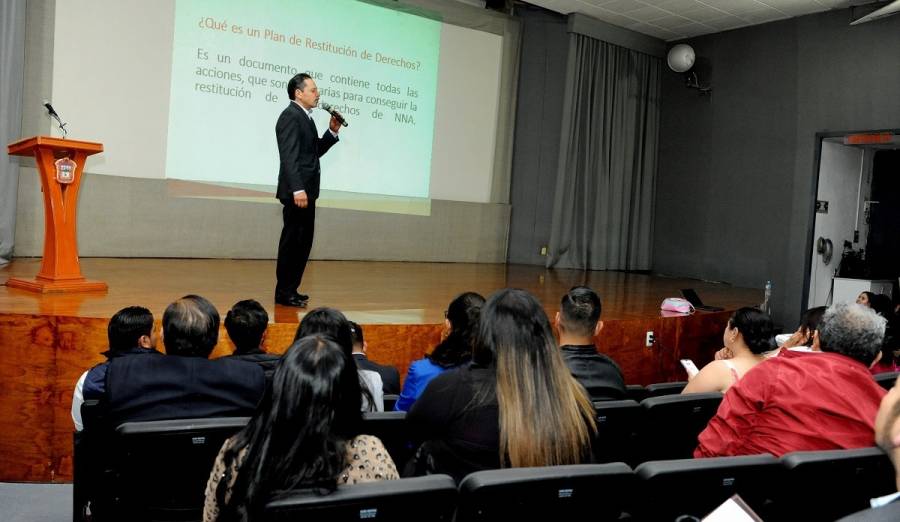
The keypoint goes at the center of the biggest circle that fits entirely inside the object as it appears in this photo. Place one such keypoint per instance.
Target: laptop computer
(694, 299)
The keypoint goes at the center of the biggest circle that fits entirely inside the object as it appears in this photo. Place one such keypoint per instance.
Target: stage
(48, 340)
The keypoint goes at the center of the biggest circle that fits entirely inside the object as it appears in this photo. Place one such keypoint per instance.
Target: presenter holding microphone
(299, 148)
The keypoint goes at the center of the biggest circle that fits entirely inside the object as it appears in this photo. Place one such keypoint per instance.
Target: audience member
(130, 332)
(184, 383)
(802, 339)
(883, 306)
(749, 335)
(865, 299)
(578, 322)
(455, 348)
(331, 322)
(887, 436)
(804, 401)
(516, 405)
(246, 325)
(390, 377)
(305, 434)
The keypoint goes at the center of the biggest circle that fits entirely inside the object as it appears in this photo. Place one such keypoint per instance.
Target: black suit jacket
(390, 377)
(299, 149)
(175, 387)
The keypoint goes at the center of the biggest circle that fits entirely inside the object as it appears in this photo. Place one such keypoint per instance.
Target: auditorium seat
(429, 498)
(635, 392)
(664, 388)
(618, 424)
(887, 380)
(390, 399)
(673, 422)
(155, 470)
(392, 429)
(694, 487)
(576, 492)
(826, 485)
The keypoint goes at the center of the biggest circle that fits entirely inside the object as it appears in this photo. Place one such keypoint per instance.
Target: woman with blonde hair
(516, 405)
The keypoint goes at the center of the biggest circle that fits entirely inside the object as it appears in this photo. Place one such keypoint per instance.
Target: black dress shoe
(290, 301)
(302, 297)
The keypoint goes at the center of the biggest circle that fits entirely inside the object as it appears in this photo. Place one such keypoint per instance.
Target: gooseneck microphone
(62, 126)
(331, 110)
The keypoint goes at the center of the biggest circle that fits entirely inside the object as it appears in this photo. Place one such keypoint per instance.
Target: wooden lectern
(60, 163)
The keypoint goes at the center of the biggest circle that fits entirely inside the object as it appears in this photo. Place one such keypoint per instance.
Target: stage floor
(367, 292)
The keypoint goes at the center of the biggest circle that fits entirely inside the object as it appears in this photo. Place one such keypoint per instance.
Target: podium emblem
(65, 170)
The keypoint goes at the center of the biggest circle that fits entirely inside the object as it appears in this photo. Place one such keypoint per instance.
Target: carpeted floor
(35, 502)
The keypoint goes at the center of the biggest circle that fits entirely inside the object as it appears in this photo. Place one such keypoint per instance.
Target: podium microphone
(62, 126)
(331, 110)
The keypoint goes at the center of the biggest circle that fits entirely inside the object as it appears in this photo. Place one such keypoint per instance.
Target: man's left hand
(334, 125)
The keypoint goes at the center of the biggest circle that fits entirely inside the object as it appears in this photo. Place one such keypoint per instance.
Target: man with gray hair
(801, 401)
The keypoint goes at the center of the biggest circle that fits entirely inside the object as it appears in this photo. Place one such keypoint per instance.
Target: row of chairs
(157, 471)
(823, 485)
(637, 392)
(171, 460)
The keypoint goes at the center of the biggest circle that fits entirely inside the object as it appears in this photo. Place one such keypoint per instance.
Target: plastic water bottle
(767, 301)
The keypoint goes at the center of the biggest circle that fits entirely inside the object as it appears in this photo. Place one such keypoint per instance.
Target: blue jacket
(418, 376)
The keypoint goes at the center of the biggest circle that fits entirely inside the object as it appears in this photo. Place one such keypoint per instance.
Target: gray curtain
(603, 203)
(12, 62)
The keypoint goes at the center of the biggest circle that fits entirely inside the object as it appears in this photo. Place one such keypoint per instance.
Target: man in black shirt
(578, 322)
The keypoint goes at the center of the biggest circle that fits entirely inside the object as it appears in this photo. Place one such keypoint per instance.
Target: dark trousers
(294, 246)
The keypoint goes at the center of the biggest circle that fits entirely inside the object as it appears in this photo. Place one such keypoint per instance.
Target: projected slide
(230, 66)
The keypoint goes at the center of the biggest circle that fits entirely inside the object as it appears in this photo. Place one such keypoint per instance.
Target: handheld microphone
(331, 110)
(62, 126)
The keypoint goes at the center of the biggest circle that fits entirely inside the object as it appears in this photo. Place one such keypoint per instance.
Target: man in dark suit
(246, 324)
(390, 377)
(299, 148)
(184, 383)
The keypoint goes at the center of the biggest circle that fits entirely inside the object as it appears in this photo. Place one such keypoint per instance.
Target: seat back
(695, 487)
(664, 388)
(392, 429)
(887, 380)
(618, 423)
(673, 422)
(158, 470)
(390, 399)
(635, 392)
(826, 485)
(546, 493)
(427, 499)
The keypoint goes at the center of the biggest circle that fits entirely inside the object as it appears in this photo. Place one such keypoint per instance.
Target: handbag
(677, 304)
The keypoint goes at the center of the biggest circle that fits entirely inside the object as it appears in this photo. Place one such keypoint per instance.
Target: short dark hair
(357, 332)
(327, 321)
(580, 310)
(190, 327)
(127, 326)
(246, 323)
(756, 328)
(297, 82)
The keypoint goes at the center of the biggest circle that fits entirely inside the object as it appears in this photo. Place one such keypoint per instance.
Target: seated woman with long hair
(748, 336)
(516, 405)
(455, 348)
(305, 434)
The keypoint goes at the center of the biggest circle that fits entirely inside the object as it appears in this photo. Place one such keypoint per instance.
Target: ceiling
(677, 19)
